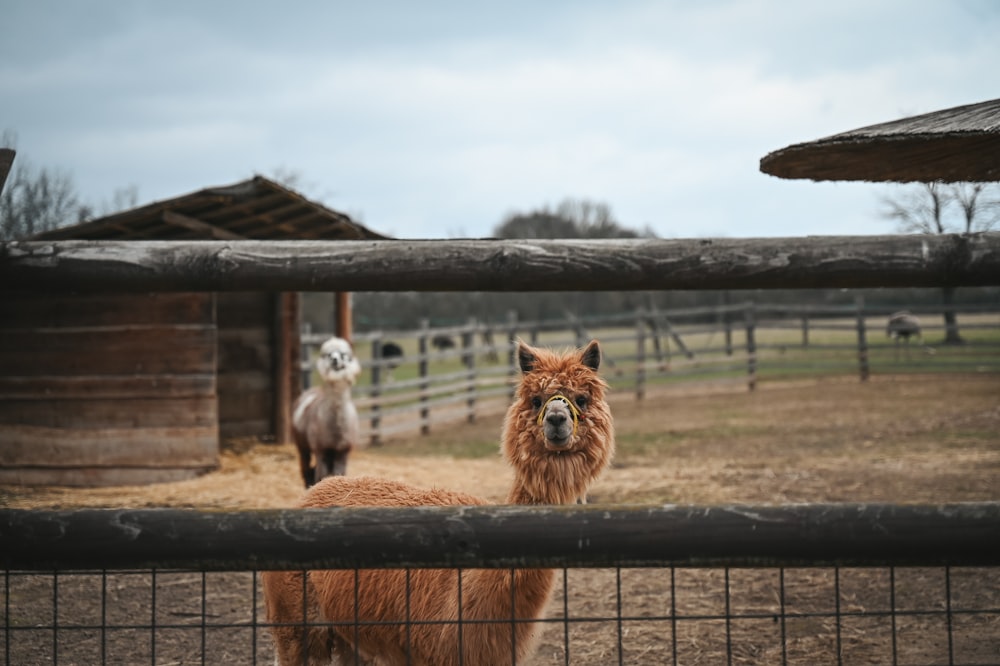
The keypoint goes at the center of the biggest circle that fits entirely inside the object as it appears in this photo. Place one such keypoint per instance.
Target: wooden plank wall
(246, 364)
(107, 389)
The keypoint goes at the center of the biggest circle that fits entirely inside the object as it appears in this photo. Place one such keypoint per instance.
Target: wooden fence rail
(440, 393)
(503, 265)
(963, 534)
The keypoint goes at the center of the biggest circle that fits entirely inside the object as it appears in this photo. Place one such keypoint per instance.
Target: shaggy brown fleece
(558, 437)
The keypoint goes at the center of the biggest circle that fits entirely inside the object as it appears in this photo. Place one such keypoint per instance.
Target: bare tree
(35, 201)
(930, 208)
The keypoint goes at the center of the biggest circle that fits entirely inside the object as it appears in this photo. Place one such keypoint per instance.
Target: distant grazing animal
(558, 437)
(325, 420)
(442, 342)
(391, 353)
(390, 350)
(903, 326)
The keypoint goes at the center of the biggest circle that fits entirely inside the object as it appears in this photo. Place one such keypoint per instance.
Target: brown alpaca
(558, 437)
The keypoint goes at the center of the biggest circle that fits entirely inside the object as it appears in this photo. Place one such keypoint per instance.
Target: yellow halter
(569, 403)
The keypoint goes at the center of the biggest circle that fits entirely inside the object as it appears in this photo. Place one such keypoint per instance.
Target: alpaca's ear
(525, 356)
(591, 356)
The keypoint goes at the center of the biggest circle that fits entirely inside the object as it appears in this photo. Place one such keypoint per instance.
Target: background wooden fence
(470, 370)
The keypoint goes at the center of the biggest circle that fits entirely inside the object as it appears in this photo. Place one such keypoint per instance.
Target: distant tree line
(34, 200)
(585, 219)
(572, 218)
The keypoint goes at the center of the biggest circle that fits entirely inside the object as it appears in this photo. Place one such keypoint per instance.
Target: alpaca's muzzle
(553, 423)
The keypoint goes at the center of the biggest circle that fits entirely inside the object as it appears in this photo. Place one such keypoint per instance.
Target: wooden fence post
(862, 339)
(512, 364)
(640, 354)
(422, 370)
(725, 319)
(751, 325)
(376, 392)
(654, 325)
(469, 359)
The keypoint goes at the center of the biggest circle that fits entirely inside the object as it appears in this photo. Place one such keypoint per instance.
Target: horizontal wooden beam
(503, 265)
(196, 225)
(965, 534)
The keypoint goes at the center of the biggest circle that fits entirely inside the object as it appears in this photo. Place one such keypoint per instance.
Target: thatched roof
(257, 209)
(961, 144)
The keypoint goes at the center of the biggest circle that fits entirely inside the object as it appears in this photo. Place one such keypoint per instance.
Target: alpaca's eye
(581, 401)
(536, 402)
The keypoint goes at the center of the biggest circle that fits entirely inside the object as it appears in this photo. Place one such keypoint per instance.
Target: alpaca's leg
(339, 466)
(293, 642)
(331, 463)
(309, 475)
(305, 459)
(344, 654)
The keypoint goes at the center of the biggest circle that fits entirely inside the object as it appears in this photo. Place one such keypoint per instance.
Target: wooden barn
(125, 388)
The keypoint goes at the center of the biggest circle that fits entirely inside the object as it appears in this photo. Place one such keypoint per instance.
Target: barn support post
(287, 352)
(469, 360)
(423, 372)
(640, 354)
(343, 320)
(376, 391)
(751, 326)
(805, 328)
(863, 368)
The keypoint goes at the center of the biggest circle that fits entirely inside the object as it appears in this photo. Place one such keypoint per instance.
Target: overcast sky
(428, 119)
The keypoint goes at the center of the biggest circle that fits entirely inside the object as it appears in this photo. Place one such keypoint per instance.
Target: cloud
(430, 121)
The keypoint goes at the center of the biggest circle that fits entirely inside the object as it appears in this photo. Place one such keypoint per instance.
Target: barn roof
(257, 208)
(960, 144)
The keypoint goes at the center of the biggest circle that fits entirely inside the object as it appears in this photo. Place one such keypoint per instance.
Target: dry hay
(905, 440)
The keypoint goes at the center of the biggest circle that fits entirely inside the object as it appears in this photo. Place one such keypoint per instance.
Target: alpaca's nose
(556, 420)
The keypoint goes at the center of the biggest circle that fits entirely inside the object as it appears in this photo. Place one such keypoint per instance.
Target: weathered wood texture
(508, 265)
(287, 351)
(961, 144)
(246, 364)
(105, 389)
(503, 536)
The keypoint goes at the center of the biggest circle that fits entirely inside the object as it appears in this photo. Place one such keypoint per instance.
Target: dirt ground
(900, 439)
(903, 439)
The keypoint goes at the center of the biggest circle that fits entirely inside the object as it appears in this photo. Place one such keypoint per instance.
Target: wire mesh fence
(672, 615)
(795, 584)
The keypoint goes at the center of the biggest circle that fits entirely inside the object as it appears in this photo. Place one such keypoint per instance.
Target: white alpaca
(325, 420)
(558, 437)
